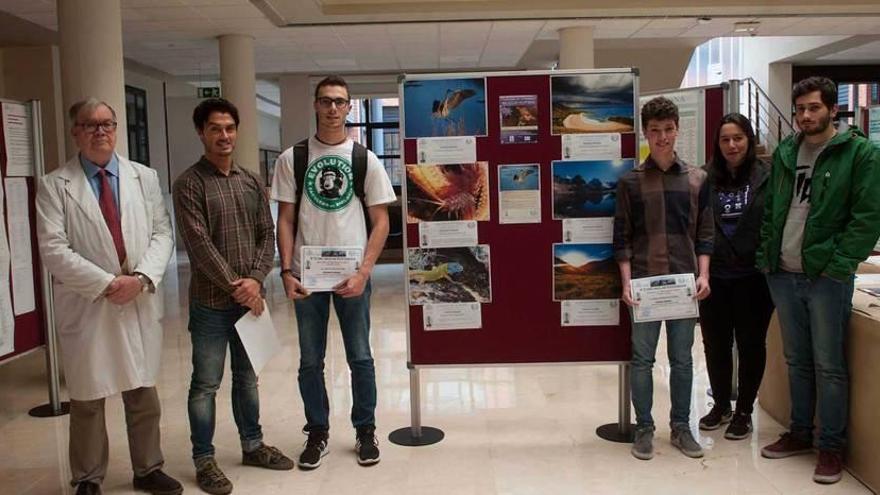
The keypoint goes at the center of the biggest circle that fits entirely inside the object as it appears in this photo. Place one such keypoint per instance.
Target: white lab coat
(105, 348)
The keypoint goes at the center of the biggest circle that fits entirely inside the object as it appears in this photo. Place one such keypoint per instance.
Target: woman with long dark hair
(740, 304)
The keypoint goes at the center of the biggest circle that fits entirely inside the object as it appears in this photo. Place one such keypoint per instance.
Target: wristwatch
(286, 271)
(145, 281)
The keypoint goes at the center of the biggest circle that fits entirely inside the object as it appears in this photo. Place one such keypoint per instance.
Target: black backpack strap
(300, 164)
(359, 170)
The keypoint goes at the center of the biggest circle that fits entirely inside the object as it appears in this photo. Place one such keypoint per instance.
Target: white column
(238, 82)
(297, 112)
(90, 33)
(576, 48)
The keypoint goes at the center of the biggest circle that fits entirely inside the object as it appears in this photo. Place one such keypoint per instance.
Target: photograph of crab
(449, 275)
(444, 107)
(436, 193)
(585, 271)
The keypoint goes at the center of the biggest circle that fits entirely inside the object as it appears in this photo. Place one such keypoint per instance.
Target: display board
(700, 110)
(21, 308)
(509, 199)
(874, 125)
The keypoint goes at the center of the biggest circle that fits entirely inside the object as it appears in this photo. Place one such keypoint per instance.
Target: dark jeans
(211, 330)
(739, 307)
(814, 316)
(312, 315)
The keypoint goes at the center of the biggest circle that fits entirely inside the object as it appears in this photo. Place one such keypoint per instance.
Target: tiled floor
(512, 431)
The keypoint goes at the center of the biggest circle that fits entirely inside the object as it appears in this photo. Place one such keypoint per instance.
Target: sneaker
(740, 427)
(157, 483)
(684, 440)
(643, 443)
(715, 419)
(787, 446)
(211, 479)
(267, 457)
(316, 448)
(367, 445)
(829, 467)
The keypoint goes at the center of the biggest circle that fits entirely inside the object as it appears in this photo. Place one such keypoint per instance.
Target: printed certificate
(324, 267)
(446, 150)
(448, 234)
(591, 146)
(665, 297)
(595, 312)
(451, 316)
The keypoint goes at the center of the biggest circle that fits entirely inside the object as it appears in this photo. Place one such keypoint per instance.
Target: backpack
(359, 171)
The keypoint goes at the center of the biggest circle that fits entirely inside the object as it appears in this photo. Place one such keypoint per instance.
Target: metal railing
(771, 124)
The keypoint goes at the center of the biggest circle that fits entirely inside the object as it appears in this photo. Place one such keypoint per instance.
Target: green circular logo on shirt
(328, 183)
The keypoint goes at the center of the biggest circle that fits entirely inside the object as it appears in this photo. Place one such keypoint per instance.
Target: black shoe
(88, 488)
(316, 448)
(268, 457)
(740, 427)
(367, 445)
(715, 419)
(157, 483)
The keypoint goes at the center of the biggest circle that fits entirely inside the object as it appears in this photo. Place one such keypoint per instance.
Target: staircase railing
(771, 124)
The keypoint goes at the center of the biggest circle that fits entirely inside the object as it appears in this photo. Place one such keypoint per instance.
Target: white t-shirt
(793, 232)
(331, 214)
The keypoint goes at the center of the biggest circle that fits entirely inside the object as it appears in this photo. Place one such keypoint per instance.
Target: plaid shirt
(663, 219)
(227, 230)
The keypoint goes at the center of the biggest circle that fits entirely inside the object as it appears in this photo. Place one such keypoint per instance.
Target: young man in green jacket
(821, 218)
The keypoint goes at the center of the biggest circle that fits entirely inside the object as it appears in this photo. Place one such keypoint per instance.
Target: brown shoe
(829, 467)
(157, 483)
(787, 446)
(211, 479)
(268, 457)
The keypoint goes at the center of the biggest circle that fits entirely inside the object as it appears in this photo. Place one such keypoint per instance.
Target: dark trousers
(739, 307)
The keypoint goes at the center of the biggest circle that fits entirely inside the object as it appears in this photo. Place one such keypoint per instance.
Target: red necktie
(111, 215)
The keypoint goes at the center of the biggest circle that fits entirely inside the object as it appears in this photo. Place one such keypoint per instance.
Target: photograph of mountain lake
(588, 188)
(585, 271)
(587, 103)
(444, 107)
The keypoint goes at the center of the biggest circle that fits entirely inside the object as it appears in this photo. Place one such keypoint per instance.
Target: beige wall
(660, 67)
(33, 73)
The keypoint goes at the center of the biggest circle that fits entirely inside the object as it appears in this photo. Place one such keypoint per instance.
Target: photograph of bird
(522, 174)
(452, 99)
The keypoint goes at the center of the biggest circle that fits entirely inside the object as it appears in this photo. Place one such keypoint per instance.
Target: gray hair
(88, 105)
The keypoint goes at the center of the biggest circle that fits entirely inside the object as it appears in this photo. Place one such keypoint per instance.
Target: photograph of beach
(589, 103)
(585, 271)
(444, 107)
(588, 188)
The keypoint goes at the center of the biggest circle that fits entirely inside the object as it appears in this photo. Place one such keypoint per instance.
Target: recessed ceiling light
(746, 27)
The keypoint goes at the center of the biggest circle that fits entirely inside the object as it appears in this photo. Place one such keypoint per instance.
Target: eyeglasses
(327, 102)
(92, 127)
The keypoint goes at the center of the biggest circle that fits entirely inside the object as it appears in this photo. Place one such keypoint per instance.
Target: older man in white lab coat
(105, 236)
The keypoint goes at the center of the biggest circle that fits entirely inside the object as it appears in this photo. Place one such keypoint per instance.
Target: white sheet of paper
(451, 316)
(446, 150)
(19, 143)
(323, 267)
(448, 234)
(867, 280)
(588, 230)
(259, 337)
(593, 312)
(7, 319)
(665, 297)
(603, 146)
(18, 220)
(519, 193)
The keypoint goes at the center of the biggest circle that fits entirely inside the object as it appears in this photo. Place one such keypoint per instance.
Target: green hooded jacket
(844, 219)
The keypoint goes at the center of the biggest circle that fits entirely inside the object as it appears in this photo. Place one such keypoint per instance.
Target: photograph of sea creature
(585, 271)
(587, 103)
(436, 193)
(444, 107)
(449, 275)
(588, 188)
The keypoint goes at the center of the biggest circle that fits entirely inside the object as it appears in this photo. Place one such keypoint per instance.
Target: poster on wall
(18, 219)
(7, 319)
(586, 189)
(449, 275)
(874, 125)
(591, 103)
(436, 193)
(689, 143)
(18, 141)
(585, 271)
(444, 107)
(519, 193)
(519, 118)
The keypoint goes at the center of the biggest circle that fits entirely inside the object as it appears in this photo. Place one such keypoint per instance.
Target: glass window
(136, 125)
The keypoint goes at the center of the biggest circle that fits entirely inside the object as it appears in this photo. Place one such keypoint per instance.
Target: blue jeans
(211, 330)
(679, 341)
(312, 315)
(814, 316)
